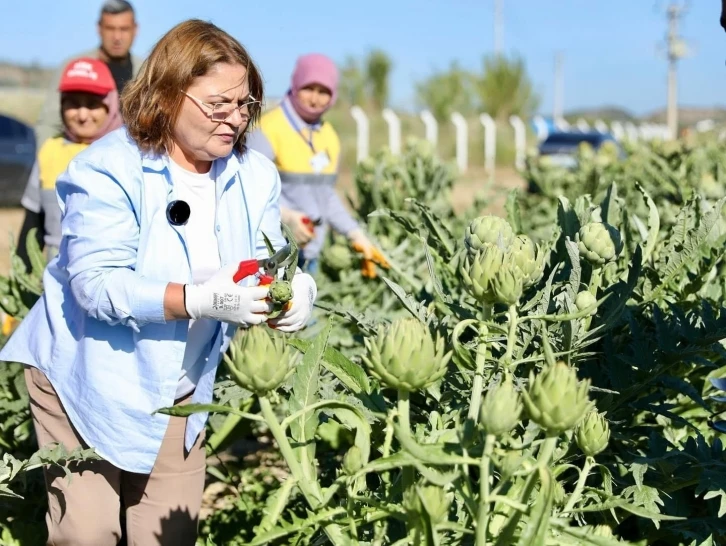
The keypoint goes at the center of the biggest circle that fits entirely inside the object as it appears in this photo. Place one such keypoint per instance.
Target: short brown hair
(151, 103)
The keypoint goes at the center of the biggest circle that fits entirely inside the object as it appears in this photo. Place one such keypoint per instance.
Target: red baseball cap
(89, 75)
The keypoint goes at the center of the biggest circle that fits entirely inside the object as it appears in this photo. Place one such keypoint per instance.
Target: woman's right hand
(221, 299)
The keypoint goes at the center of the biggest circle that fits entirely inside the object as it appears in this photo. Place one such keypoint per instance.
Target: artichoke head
(478, 271)
(556, 400)
(501, 408)
(529, 258)
(585, 300)
(280, 291)
(260, 360)
(508, 284)
(593, 434)
(405, 356)
(338, 257)
(599, 243)
(490, 229)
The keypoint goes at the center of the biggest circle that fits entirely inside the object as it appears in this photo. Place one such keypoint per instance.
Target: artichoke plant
(405, 356)
(491, 230)
(260, 360)
(599, 243)
(280, 291)
(501, 409)
(593, 434)
(556, 399)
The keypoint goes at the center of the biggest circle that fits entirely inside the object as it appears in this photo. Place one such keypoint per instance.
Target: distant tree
(352, 82)
(447, 91)
(378, 70)
(505, 89)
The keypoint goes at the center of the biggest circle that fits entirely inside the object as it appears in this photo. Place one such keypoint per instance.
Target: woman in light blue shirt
(139, 305)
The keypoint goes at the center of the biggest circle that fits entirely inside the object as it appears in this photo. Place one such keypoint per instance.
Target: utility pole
(676, 49)
(559, 89)
(498, 28)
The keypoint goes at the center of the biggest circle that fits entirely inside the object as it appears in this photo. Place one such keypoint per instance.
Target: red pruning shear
(270, 266)
(310, 223)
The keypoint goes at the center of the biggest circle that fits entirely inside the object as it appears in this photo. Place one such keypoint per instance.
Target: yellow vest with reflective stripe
(292, 152)
(53, 158)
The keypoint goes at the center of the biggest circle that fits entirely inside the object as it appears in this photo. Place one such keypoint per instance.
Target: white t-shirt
(198, 190)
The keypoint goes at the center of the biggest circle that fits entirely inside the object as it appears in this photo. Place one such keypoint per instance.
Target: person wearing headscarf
(89, 108)
(306, 151)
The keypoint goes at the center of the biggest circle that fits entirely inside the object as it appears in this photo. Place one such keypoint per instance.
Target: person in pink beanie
(306, 151)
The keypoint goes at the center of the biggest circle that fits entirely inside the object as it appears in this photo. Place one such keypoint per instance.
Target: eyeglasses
(221, 111)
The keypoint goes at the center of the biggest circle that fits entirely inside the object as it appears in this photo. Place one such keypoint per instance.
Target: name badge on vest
(319, 161)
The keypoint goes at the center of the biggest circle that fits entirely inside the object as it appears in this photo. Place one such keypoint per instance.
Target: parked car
(17, 155)
(560, 149)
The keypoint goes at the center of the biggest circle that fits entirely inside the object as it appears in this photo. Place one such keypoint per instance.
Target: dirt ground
(469, 185)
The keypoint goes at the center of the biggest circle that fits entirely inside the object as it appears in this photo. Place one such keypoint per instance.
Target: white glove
(221, 299)
(300, 308)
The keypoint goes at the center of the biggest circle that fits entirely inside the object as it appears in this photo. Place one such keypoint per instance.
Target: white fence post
(490, 142)
(520, 141)
(601, 126)
(394, 130)
(631, 131)
(362, 132)
(618, 130)
(562, 124)
(583, 125)
(540, 126)
(462, 141)
(432, 128)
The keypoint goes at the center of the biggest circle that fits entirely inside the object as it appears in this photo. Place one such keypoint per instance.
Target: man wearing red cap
(117, 30)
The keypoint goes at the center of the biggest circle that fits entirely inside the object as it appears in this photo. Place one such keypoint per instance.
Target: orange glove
(371, 255)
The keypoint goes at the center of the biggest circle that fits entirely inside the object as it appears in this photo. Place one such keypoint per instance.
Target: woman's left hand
(300, 307)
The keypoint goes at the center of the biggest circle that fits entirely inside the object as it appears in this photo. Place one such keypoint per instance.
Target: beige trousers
(162, 508)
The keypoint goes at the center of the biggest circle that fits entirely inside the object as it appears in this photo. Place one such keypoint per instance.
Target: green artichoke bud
(585, 300)
(338, 257)
(528, 257)
(260, 360)
(491, 230)
(352, 460)
(593, 434)
(599, 243)
(478, 271)
(556, 399)
(501, 408)
(280, 291)
(405, 355)
(585, 150)
(510, 462)
(508, 284)
(431, 498)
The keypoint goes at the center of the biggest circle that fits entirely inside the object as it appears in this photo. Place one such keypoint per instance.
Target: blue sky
(610, 47)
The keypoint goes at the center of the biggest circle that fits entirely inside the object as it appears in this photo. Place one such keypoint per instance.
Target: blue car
(17, 155)
(560, 149)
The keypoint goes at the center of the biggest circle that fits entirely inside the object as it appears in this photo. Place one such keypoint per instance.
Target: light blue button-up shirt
(98, 331)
